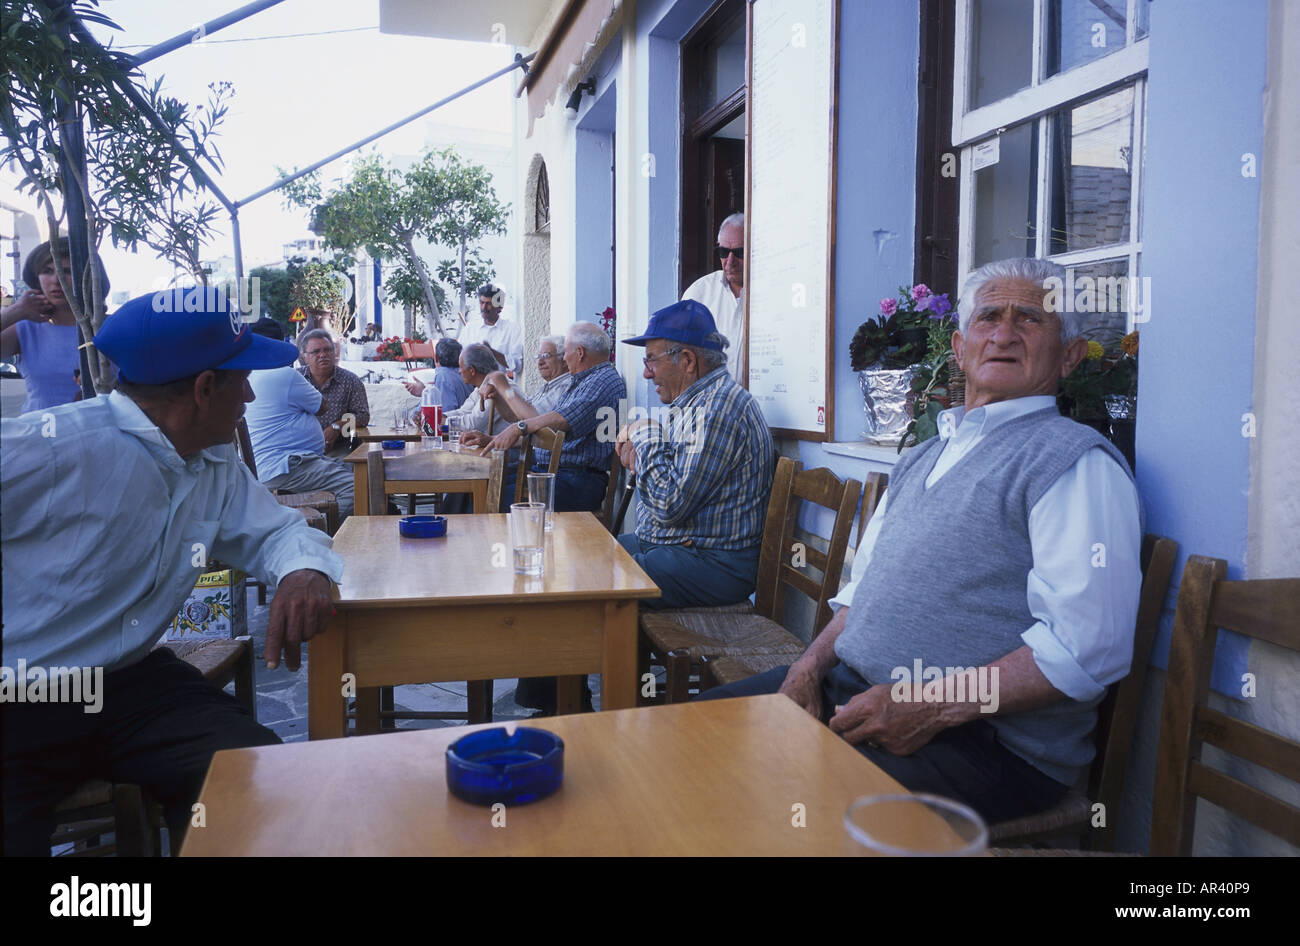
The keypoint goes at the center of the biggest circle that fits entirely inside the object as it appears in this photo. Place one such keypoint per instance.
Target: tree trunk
(461, 310)
(431, 304)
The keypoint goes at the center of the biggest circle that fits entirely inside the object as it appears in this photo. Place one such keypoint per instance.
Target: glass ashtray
(422, 527)
(491, 766)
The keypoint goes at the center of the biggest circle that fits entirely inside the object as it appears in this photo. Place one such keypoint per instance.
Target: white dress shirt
(1082, 638)
(728, 312)
(504, 336)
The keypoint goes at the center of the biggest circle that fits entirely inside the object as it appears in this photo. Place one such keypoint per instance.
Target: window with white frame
(1049, 103)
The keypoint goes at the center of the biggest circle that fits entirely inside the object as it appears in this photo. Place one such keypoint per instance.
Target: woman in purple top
(41, 327)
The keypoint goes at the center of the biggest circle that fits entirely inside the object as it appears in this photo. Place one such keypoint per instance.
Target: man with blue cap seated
(703, 478)
(111, 508)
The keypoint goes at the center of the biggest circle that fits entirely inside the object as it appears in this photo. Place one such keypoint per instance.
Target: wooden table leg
(367, 711)
(327, 708)
(480, 701)
(618, 683)
(568, 695)
(361, 491)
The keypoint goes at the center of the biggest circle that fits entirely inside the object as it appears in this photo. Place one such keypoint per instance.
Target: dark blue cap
(688, 322)
(166, 336)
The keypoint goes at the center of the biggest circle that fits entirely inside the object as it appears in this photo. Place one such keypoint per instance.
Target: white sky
(298, 100)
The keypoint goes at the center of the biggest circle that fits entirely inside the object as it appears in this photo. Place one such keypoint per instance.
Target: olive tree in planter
(318, 289)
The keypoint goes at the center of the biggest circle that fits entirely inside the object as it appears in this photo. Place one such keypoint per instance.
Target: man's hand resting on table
(299, 611)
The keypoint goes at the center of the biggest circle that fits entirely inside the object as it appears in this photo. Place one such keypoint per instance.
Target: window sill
(859, 450)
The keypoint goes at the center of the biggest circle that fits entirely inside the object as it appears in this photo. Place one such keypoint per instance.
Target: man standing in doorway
(501, 335)
(723, 293)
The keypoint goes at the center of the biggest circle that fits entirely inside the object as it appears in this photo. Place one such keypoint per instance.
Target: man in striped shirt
(703, 478)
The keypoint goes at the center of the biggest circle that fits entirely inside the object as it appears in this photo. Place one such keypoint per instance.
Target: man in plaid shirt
(703, 478)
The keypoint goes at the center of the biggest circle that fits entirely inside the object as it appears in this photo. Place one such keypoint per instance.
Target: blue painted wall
(875, 210)
(1200, 239)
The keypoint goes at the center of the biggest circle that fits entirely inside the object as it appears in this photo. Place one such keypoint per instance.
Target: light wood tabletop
(415, 470)
(424, 610)
(752, 776)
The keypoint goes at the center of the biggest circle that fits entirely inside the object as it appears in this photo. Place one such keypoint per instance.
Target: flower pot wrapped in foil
(1121, 406)
(887, 400)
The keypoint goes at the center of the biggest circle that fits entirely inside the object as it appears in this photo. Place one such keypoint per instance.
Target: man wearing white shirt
(503, 336)
(723, 292)
(1041, 606)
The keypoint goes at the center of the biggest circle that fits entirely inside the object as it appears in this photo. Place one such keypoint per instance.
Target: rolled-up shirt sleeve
(269, 540)
(1084, 586)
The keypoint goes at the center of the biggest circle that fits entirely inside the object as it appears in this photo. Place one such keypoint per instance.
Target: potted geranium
(889, 352)
(390, 349)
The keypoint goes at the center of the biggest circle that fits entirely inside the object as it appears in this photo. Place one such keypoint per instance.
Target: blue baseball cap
(169, 335)
(688, 322)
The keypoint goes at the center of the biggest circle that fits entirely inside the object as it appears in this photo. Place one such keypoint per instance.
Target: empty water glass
(453, 433)
(541, 489)
(528, 536)
(917, 825)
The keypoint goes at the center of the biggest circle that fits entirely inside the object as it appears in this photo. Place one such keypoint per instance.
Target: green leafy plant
(898, 336)
(1103, 372)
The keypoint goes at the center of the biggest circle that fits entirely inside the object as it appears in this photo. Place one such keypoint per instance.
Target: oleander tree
(61, 86)
(441, 199)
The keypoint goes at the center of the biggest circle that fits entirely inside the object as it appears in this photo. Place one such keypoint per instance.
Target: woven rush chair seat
(723, 671)
(720, 633)
(1065, 817)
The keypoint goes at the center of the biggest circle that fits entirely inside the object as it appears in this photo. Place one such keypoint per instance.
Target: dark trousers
(575, 490)
(159, 725)
(965, 762)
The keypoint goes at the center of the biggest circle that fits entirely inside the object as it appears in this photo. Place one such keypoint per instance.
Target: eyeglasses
(725, 251)
(319, 352)
(547, 355)
(650, 360)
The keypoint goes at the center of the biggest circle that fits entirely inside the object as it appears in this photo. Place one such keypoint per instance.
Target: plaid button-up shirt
(342, 394)
(705, 478)
(590, 403)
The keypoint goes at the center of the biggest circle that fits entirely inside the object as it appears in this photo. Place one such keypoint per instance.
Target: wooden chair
(1116, 723)
(443, 471)
(624, 500)
(546, 439)
(97, 807)
(1263, 609)
(609, 508)
(681, 639)
(720, 671)
(462, 472)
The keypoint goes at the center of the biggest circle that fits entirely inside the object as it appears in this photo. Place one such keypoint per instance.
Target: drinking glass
(528, 536)
(918, 825)
(400, 420)
(453, 433)
(541, 489)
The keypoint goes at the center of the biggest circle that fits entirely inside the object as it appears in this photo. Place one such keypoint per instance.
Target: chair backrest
(1264, 609)
(244, 444)
(608, 514)
(546, 439)
(782, 556)
(873, 491)
(624, 500)
(425, 469)
(1118, 714)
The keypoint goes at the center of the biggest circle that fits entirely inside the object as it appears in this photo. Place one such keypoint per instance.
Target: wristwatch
(523, 427)
(336, 426)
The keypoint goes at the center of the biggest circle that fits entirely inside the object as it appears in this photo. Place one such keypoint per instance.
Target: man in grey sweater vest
(981, 681)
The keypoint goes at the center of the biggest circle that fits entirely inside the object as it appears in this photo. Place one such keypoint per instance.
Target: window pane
(1142, 26)
(1006, 198)
(724, 65)
(1079, 31)
(1001, 49)
(1100, 294)
(1092, 154)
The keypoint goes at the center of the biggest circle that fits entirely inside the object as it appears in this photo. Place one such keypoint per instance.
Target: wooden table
(422, 610)
(722, 777)
(457, 473)
(374, 434)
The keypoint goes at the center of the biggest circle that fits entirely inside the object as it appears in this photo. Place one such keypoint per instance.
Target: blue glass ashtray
(490, 766)
(393, 444)
(422, 527)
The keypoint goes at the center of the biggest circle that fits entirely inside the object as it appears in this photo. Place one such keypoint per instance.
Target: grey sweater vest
(947, 579)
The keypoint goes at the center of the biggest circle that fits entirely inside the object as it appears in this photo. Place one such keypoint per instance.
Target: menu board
(790, 212)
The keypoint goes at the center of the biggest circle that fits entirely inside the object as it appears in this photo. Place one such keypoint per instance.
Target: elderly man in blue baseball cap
(111, 508)
(704, 476)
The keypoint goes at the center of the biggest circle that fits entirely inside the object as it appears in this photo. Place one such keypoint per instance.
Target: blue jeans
(694, 577)
(575, 490)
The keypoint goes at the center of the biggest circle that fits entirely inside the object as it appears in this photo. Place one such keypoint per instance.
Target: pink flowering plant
(900, 335)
